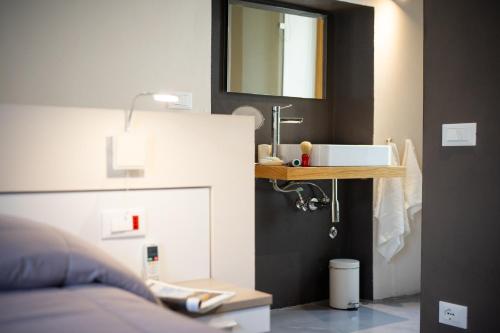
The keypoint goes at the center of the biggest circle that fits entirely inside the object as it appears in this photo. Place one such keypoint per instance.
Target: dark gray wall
(461, 211)
(293, 248)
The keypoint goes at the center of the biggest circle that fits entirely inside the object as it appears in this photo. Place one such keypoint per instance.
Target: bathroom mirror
(275, 51)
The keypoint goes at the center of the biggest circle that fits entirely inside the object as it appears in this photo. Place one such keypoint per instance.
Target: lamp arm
(132, 106)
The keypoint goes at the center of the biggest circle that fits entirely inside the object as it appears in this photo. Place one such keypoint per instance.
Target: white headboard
(56, 149)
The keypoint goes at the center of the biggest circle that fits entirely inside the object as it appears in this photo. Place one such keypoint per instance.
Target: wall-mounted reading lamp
(129, 149)
(165, 98)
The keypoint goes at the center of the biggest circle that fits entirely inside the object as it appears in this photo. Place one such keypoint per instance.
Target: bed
(51, 281)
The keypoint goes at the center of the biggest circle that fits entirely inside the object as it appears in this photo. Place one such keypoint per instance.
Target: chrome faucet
(277, 121)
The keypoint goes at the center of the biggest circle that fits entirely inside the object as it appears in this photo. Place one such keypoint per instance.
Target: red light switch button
(135, 222)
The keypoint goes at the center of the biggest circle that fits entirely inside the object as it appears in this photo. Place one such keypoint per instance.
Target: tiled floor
(401, 315)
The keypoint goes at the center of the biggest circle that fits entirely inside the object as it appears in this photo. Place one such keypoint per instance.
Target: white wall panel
(178, 220)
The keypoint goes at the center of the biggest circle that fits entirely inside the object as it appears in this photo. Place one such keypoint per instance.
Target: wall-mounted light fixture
(159, 97)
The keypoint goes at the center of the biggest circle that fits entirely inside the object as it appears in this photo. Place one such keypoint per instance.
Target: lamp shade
(165, 98)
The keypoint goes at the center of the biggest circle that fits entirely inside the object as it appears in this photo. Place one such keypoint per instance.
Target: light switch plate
(185, 101)
(463, 134)
(119, 223)
(453, 314)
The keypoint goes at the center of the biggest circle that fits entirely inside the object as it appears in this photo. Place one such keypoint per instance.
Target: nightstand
(249, 311)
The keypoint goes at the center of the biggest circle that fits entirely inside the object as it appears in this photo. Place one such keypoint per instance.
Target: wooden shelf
(310, 173)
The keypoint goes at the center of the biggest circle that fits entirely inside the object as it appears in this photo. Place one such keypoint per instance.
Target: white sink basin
(339, 155)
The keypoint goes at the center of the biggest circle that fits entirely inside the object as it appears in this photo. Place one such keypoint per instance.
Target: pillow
(36, 255)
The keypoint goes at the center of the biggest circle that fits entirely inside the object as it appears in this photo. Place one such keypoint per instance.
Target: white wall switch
(459, 134)
(120, 224)
(453, 314)
(129, 151)
(185, 101)
(123, 223)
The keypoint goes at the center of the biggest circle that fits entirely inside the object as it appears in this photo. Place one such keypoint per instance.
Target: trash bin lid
(344, 263)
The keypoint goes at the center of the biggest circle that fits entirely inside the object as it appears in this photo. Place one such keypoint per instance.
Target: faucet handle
(279, 107)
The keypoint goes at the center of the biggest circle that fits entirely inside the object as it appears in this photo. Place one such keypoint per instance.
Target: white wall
(399, 72)
(92, 53)
(178, 220)
(398, 115)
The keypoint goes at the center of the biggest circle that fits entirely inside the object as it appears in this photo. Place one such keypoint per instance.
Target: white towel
(390, 213)
(412, 181)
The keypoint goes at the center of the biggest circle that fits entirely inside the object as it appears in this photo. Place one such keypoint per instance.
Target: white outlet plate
(453, 314)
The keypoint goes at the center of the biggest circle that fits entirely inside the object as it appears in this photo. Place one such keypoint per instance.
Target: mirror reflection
(275, 51)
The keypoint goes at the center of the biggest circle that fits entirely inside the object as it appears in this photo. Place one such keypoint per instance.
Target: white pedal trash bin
(344, 284)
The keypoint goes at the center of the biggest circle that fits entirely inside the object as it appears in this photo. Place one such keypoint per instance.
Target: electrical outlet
(453, 314)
